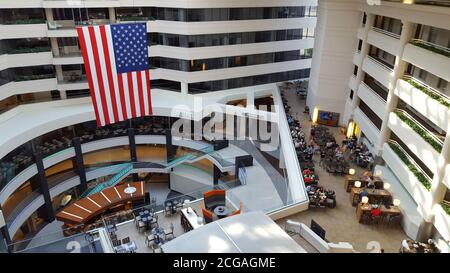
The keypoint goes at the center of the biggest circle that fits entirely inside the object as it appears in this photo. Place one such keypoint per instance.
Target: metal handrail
(429, 88)
(386, 32)
(420, 41)
(419, 124)
(410, 159)
(373, 91)
(380, 63)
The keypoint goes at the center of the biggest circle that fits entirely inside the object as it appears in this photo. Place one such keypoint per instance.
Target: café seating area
(411, 246)
(331, 154)
(214, 206)
(374, 203)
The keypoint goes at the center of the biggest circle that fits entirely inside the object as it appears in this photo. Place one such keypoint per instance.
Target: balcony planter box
(434, 110)
(422, 149)
(442, 221)
(428, 60)
(412, 184)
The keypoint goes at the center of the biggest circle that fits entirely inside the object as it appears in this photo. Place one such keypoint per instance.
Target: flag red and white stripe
(115, 96)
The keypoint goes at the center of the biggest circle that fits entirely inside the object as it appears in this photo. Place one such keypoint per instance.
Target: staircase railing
(125, 170)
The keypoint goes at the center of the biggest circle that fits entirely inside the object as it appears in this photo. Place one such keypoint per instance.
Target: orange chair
(238, 211)
(207, 215)
(214, 198)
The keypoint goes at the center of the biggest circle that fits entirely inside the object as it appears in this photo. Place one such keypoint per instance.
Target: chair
(207, 215)
(168, 232)
(141, 226)
(149, 239)
(156, 248)
(214, 198)
(239, 210)
(116, 243)
(125, 240)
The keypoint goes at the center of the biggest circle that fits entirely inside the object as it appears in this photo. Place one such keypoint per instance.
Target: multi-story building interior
(380, 69)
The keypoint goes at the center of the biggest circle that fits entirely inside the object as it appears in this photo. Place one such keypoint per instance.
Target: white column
(112, 15)
(370, 19)
(60, 78)
(392, 99)
(184, 88)
(250, 100)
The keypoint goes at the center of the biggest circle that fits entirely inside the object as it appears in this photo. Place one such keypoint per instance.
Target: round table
(159, 235)
(221, 211)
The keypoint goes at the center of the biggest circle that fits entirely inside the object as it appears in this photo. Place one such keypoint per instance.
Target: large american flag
(116, 62)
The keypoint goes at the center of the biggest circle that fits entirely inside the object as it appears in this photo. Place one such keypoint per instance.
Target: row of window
(216, 14)
(227, 62)
(220, 39)
(203, 87)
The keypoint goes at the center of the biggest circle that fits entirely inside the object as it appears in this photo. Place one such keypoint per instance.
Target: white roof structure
(252, 232)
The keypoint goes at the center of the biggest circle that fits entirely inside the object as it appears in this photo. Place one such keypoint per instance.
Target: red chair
(214, 198)
(207, 215)
(237, 211)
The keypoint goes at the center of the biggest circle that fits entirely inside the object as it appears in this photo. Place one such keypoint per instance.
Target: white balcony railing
(386, 32)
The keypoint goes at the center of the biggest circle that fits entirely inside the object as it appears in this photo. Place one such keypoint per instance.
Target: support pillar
(133, 153)
(184, 88)
(79, 164)
(46, 211)
(392, 99)
(169, 147)
(112, 15)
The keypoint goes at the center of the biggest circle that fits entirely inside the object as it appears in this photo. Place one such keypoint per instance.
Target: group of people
(320, 197)
(411, 246)
(361, 155)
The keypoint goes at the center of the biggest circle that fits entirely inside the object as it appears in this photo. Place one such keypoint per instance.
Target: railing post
(79, 164)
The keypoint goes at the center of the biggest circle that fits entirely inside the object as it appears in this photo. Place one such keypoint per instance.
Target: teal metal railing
(125, 170)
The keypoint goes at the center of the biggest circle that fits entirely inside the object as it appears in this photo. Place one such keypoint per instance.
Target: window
(442, 84)
(423, 74)
(355, 70)
(351, 94)
(364, 18)
(360, 42)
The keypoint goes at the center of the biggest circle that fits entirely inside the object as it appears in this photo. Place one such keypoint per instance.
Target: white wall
(334, 47)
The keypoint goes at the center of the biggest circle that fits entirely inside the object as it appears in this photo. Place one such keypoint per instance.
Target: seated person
(306, 172)
(370, 182)
(375, 212)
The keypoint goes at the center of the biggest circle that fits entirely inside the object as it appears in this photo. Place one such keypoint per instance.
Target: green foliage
(442, 100)
(431, 48)
(446, 207)
(424, 134)
(418, 174)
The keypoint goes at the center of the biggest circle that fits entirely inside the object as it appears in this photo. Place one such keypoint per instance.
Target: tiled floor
(340, 223)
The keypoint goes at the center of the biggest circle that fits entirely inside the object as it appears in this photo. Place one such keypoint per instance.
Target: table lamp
(396, 202)
(386, 186)
(378, 173)
(365, 200)
(351, 171)
(358, 184)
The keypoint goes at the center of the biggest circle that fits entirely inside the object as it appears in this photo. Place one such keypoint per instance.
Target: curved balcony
(430, 57)
(409, 173)
(442, 219)
(372, 99)
(366, 126)
(429, 102)
(385, 40)
(419, 139)
(378, 70)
